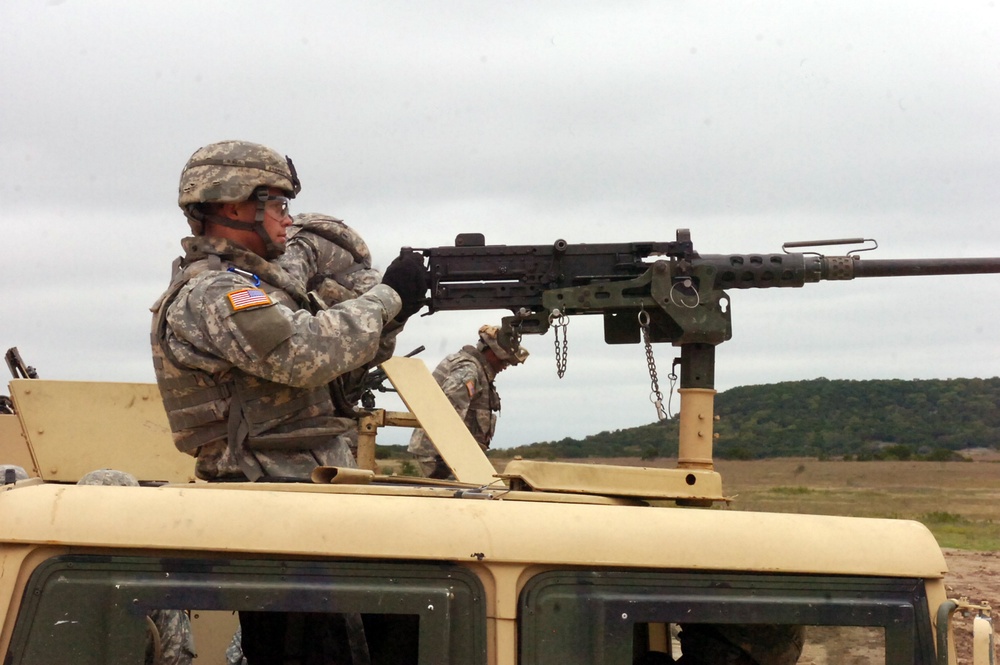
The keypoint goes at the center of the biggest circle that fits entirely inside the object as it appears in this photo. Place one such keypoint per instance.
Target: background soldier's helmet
(12, 473)
(229, 172)
(109, 477)
(502, 344)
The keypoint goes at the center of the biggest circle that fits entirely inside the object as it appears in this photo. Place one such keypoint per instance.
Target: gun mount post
(697, 414)
(368, 426)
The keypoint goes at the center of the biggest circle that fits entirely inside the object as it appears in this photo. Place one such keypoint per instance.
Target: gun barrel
(755, 271)
(925, 267)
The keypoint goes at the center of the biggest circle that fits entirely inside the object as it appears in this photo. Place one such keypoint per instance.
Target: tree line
(827, 419)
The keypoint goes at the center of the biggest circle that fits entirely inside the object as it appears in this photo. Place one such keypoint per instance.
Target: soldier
(241, 360)
(467, 378)
(171, 641)
(244, 357)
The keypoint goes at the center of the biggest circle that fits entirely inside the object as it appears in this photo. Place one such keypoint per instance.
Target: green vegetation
(408, 468)
(853, 420)
(967, 535)
(394, 460)
(954, 530)
(394, 451)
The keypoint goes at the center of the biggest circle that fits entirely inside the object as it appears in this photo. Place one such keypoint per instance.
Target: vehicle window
(89, 609)
(648, 618)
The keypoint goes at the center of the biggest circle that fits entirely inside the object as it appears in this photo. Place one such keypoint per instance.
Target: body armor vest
(231, 414)
(481, 418)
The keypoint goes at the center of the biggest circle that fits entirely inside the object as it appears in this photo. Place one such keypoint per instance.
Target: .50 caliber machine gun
(647, 291)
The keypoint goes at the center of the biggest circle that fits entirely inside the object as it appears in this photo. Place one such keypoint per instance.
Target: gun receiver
(665, 289)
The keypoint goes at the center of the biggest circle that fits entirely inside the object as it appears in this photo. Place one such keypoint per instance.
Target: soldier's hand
(407, 277)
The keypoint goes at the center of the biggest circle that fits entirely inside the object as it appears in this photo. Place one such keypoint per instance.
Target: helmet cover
(109, 477)
(230, 172)
(502, 344)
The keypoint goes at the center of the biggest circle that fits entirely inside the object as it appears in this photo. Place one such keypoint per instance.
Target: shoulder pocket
(263, 328)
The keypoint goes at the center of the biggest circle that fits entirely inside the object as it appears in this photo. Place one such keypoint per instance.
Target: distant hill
(820, 418)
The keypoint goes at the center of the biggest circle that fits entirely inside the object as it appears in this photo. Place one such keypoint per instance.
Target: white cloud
(750, 123)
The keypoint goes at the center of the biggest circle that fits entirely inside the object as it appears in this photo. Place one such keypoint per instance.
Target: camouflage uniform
(327, 256)
(171, 640)
(241, 361)
(466, 378)
(234, 652)
(334, 264)
(251, 338)
(245, 386)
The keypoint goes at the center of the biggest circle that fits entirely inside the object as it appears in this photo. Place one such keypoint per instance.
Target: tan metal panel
(423, 397)
(216, 517)
(611, 480)
(14, 447)
(74, 427)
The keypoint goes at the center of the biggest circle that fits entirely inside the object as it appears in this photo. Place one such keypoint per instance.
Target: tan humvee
(543, 563)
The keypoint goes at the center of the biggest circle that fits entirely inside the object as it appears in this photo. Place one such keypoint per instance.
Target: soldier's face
(494, 360)
(276, 217)
(276, 221)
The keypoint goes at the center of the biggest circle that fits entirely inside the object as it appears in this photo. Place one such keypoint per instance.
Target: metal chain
(515, 334)
(655, 396)
(673, 382)
(558, 321)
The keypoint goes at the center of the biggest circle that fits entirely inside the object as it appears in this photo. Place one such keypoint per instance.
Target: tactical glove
(407, 277)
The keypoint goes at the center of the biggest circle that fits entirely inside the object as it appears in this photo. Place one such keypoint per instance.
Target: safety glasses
(277, 206)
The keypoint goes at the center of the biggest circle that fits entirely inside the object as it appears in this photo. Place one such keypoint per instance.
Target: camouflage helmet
(502, 344)
(109, 477)
(764, 644)
(230, 172)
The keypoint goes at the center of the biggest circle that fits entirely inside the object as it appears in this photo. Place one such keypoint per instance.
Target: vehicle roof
(437, 524)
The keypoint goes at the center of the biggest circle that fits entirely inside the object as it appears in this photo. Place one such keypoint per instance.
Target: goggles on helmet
(277, 206)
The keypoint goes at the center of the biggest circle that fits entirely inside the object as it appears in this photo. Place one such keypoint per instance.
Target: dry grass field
(958, 501)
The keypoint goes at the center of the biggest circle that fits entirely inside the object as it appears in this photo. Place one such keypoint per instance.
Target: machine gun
(648, 291)
(19, 371)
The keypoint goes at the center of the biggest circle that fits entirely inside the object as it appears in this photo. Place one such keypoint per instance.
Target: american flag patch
(247, 298)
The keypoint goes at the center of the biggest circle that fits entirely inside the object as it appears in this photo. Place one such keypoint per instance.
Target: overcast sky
(751, 123)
